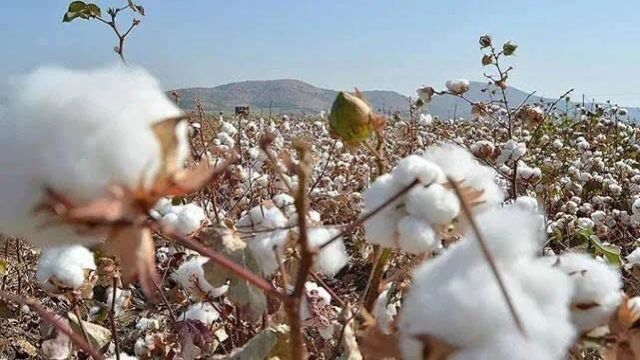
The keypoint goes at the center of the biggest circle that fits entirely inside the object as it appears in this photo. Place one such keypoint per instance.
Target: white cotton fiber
(190, 275)
(64, 266)
(597, 289)
(416, 236)
(330, 259)
(203, 312)
(460, 165)
(455, 296)
(434, 204)
(94, 132)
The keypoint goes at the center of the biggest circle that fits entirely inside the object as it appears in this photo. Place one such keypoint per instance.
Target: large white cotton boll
(96, 132)
(64, 266)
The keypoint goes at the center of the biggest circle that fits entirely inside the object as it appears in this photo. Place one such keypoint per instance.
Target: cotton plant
(74, 194)
(439, 303)
(416, 221)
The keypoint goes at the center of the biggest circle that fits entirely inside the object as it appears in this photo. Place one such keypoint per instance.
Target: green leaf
(70, 16)
(94, 10)
(610, 252)
(77, 6)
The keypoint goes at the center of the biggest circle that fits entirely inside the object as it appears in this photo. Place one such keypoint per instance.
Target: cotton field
(135, 229)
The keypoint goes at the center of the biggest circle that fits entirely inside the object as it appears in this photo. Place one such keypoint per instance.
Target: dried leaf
(241, 292)
(99, 337)
(434, 348)
(134, 246)
(374, 344)
(165, 132)
(193, 336)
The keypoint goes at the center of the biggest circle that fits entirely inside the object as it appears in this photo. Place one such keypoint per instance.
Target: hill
(295, 96)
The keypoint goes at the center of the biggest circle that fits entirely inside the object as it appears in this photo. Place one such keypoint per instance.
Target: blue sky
(399, 45)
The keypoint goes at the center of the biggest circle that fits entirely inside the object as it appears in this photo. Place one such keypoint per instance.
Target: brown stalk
(306, 261)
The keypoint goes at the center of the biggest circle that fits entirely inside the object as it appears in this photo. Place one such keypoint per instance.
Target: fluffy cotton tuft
(95, 133)
(183, 219)
(203, 312)
(412, 221)
(439, 302)
(330, 259)
(64, 267)
(597, 289)
(190, 275)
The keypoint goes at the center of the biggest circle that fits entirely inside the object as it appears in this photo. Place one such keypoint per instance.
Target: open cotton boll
(190, 219)
(95, 133)
(439, 302)
(460, 165)
(434, 204)
(527, 203)
(597, 289)
(384, 313)
(381, 229)
(416, 236)
(262, 217)
(265, 245)
(64, 266)
(315, 294)
(190, 276)
(330, 259)
(633, 258)
(284, 202)
(203, 312)
(415, 167)
(458, 86)
(123, 299)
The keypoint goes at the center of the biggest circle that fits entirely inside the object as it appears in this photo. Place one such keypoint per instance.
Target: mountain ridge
(294, 96)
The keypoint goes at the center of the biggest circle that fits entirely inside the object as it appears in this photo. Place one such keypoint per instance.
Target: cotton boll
(190, 275)
(435, 204)
(163, 206)
(460, 165)
(64, 266)
(263, 217)
(527, 203)
(96, 132)
(203, 312)
(284, 202)
(122, 299)
(458, 87)
(316, 294)
(265, 245)
(190, 218)
(384, 313)
(415, 235)
(439, 304)
(415, 167)
(633, 258)
(169, 221)
(597, 289)
(381, 229)
(330, 259)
